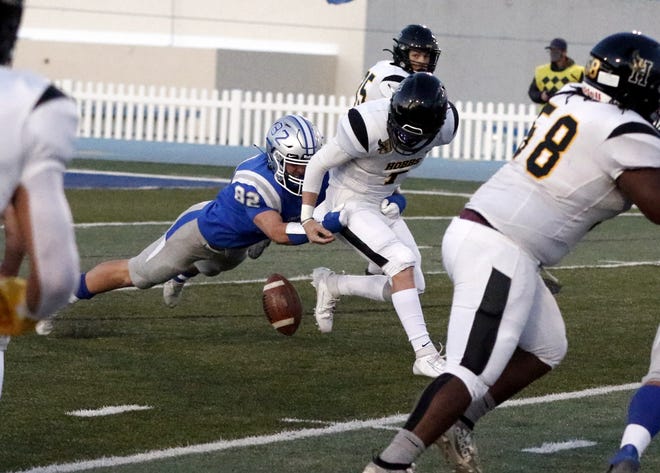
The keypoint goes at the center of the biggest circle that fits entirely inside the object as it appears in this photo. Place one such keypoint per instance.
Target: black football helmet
(624, 68)
(415, 37)
(418, 109)
(10, 19)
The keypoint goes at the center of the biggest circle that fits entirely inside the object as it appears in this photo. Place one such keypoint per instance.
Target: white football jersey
(562, 181)
(370, 168)
(380, 81)
(36, 131)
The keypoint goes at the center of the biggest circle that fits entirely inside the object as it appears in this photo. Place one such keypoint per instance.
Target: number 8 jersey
(562, 180)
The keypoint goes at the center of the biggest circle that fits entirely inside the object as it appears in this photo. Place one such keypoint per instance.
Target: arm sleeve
(328, 157)
(534, 92)
(50, 135)
(296, 233)
(55, 252)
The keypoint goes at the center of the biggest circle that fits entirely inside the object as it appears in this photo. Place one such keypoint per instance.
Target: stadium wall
(211, 155)
(490, 47)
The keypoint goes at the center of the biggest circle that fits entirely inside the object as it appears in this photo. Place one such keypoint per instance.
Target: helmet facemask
(407, 139)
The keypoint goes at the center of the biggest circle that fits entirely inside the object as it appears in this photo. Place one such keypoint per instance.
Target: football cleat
(373, 468)
(432, 365)
(325, 300)
(172, 292)
(257, 249)
(13, 310)
(44, 327)
(625, 461)
(459, 449)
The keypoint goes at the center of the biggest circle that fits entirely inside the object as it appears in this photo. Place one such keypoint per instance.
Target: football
(282, 304)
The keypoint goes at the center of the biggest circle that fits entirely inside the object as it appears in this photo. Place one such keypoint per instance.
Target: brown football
(282, 304)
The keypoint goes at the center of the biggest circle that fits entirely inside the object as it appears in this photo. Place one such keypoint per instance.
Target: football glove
(13, 311)
(332, 222)
(393, 206)
(336, 220)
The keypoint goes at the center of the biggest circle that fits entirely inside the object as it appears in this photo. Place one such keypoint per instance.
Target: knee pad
(399, 257)
(555, 354)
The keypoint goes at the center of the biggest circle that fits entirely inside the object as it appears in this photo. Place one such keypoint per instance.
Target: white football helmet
(291, 140)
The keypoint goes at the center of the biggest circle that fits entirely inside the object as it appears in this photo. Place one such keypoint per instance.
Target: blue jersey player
(261, 204)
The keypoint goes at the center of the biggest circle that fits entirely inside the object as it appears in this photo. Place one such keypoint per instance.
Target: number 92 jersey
(562, 180)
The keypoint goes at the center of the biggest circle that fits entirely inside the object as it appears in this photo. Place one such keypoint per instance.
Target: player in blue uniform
(262, 203)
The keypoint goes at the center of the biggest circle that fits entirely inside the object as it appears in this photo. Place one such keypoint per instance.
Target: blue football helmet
(291, 140)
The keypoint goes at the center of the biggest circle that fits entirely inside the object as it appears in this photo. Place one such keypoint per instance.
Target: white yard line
(552, 447)
(152, 176)
(330, 429)
(149, 223)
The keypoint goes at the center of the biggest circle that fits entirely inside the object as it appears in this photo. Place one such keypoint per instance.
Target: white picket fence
(235, 117)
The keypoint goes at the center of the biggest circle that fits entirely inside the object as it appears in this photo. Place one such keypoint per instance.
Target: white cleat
(325, 300)
(430, 365)
(44, 327)
(172, 292)
(459, 449)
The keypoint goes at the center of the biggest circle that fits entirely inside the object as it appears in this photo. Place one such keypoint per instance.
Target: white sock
(636, 435)
(376, 287)
(404, 448)
(479, 408)
(409, 309)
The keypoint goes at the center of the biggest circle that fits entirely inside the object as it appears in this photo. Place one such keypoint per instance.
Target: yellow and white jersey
(37, 129)
(562, 181)
(380, 81)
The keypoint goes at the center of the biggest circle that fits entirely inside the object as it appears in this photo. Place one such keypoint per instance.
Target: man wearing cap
(549, 78)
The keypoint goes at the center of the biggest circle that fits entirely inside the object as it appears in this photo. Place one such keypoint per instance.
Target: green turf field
(216, 389)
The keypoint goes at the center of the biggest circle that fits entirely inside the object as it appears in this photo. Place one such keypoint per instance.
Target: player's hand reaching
(334, 221)
(317, 233)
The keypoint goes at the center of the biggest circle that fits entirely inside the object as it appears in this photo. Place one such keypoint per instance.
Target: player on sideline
(643, 418)
(592, 153)
(37, 132)
(415, 50)
(376, 144)
(262, 202)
